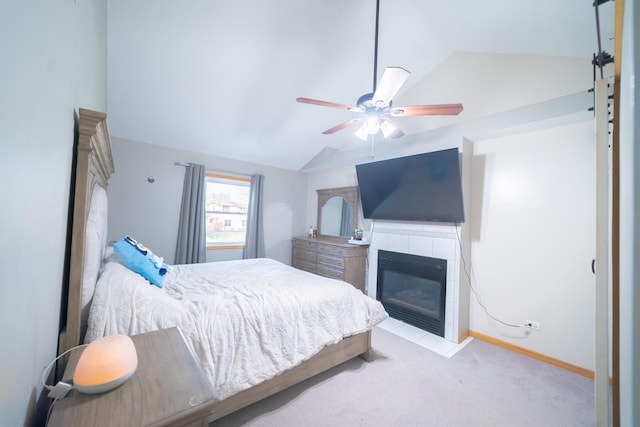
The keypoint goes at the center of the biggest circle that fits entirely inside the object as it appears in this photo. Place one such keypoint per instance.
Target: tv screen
(423, 187)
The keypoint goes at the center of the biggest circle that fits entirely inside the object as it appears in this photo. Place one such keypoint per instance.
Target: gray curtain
(254, 243)
(345, 220)
(191, 246)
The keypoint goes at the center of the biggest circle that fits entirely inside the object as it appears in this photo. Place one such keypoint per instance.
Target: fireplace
(439, 241)
(412, 288)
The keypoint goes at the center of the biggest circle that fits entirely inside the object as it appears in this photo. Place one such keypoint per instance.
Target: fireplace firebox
(412, 288)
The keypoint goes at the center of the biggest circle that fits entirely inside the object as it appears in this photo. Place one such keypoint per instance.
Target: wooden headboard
(94, 166)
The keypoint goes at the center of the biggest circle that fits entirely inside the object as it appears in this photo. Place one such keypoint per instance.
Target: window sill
(224, 247)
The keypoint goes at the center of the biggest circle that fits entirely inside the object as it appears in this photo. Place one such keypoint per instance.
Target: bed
(256, 326)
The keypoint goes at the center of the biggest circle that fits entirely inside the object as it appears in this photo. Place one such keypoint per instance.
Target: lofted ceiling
(221, 77)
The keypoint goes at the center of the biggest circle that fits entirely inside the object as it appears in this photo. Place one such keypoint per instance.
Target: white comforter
(246, 321)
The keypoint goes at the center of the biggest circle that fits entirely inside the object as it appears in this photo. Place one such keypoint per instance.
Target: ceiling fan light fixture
(372, 125)
(387, 128)
(362, 132)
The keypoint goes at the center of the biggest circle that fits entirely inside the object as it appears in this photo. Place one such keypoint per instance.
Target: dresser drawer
(332, 250)
(327, 271)
(305, 265)
(337, 263)
(304, 244)
(304, 254)
(331, 258)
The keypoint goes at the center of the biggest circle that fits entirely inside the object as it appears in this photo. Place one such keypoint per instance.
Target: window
(226, 205)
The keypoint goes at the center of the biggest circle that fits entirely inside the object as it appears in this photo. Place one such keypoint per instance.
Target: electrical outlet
(532, 324)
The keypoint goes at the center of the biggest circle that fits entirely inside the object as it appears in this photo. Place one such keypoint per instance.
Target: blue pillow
(141, 260)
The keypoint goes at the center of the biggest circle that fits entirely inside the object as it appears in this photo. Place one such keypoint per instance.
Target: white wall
(534, 239)
(150, 211)
(491, 83)
(53, 62)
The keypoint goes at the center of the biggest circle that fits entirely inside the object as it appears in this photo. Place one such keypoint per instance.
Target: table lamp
(105, 364)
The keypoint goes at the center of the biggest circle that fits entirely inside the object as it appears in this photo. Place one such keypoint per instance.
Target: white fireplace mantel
(430, 240)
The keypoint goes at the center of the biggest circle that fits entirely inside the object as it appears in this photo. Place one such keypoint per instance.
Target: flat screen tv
(423, 187)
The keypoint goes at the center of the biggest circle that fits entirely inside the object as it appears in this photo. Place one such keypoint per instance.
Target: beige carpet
(408, 385)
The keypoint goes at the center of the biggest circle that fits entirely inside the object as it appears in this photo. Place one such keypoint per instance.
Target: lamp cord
(47, 368)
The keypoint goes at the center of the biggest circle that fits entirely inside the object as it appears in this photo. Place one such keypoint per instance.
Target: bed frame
(94, 166)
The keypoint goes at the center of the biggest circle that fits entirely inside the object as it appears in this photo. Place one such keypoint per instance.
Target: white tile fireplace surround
(430, 240)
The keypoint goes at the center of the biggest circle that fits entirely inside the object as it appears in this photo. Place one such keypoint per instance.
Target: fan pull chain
(372, 143)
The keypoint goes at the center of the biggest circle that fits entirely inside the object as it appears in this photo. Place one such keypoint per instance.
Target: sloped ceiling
(221, 77)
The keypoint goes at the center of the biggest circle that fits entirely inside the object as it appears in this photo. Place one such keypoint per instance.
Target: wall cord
(475, 293)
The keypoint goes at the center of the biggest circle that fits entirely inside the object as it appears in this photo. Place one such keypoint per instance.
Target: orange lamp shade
(105, 364)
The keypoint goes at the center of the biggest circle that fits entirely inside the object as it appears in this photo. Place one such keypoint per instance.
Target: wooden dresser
(331, 258)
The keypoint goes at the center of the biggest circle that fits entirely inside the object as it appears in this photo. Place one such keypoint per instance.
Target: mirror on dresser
(330, 254)
(337, 211)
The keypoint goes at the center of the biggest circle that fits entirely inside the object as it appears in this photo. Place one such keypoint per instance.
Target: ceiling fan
(376, 108)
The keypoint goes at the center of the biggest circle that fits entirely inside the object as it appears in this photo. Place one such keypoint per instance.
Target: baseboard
(463, 336)
(534, 355)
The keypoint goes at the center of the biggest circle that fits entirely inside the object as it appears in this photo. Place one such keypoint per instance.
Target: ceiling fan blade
(323, 103)
(390, 83)
(341, 126)
(427, 110)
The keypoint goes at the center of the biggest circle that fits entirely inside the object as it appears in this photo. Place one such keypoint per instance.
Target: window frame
(246, 182)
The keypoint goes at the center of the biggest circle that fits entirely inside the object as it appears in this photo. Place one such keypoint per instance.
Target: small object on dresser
(357, 234)
(310, 232)
(315, 233)
(361, 242)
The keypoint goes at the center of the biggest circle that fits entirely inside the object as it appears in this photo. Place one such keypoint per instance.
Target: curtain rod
(215, 169)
